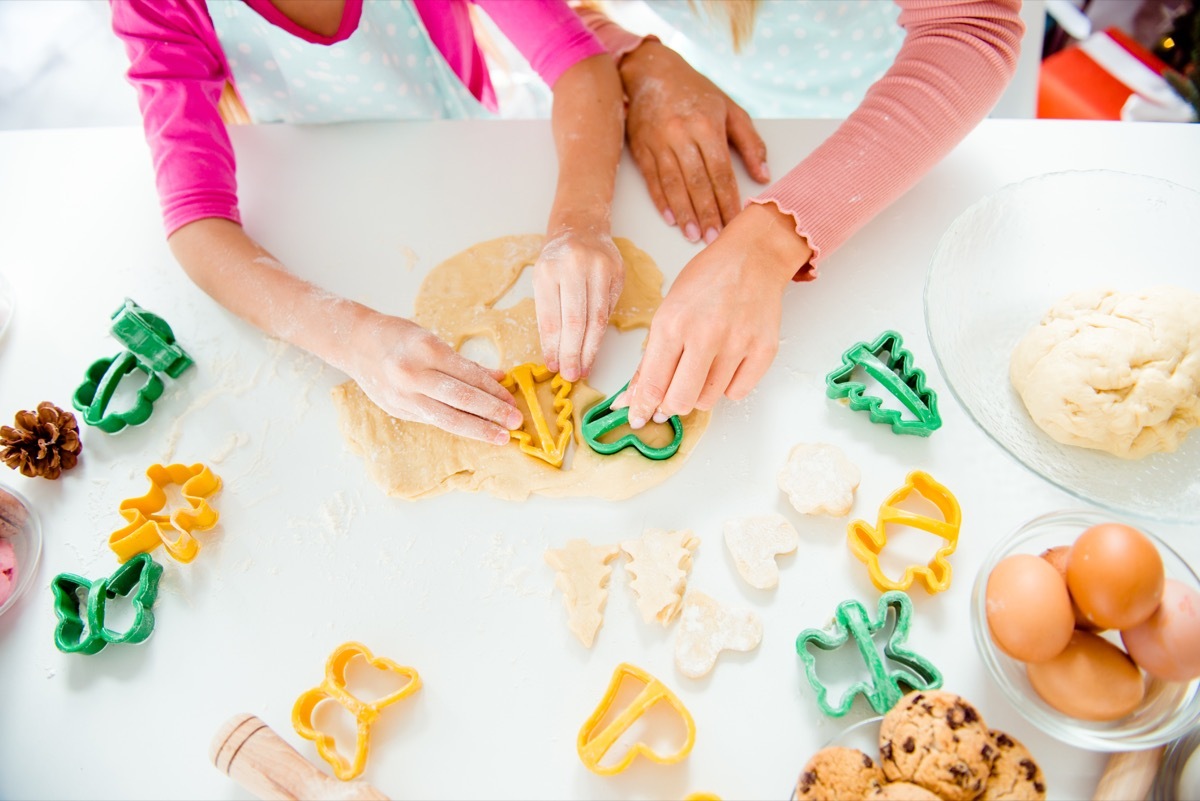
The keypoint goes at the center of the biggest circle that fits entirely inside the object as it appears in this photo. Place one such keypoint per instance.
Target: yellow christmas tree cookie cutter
(593, 744)
(867, 543)
(333, 688)
(550, 448)
(148, 522)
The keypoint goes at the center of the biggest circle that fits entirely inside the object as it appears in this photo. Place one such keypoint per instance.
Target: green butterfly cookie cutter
(100, 383)
(81, 628)
(897, 375)
(601, 419)
(148, 337)
(883, 690)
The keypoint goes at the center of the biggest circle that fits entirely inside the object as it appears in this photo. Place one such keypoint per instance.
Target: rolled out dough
(457, 302)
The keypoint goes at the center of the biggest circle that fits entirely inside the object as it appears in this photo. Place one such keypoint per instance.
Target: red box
(1072, 86)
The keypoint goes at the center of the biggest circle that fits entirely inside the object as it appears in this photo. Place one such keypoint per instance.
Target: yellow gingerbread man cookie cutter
(594, 742)
(550, 448)
(333, 688)
(867, 543)
(148, 521)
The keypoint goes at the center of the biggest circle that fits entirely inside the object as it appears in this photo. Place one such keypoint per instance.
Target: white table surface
(310, 553)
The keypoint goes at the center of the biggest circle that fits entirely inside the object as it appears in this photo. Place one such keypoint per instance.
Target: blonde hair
(739, 14)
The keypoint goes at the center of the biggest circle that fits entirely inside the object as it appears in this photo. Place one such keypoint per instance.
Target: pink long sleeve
(616, 40)
(956, 59)
(546, 32)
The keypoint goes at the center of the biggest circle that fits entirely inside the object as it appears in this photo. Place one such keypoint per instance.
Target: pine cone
(42, 443)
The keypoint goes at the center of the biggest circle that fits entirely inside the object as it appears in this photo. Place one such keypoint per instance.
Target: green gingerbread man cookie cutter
(883, 689)
(602, 418)
(897, 375)
(81, 626)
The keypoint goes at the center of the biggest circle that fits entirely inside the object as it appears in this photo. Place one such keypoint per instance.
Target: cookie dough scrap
(939, 741)
(836, 774)
(819, 479)
(706, 628)
(659, 565)
(582, 573)
(1015, 776)
(754, 542)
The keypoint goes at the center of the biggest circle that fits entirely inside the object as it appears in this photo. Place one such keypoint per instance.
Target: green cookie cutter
(82, 631)
(94, 394)
(897, 375)
(148, 337)
(601, 418)
(883, 690)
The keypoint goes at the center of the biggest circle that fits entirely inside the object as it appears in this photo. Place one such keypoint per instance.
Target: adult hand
(576, 282)
(414, 375)
(717, 329)
(680, 128)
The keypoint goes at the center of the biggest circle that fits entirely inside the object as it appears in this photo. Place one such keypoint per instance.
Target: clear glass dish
(1178, 777)
(1169, 710)
(27, 549)
(1006, 260)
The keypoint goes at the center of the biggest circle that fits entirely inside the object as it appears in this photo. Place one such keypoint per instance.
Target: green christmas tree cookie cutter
(147, 336)
(602, 418)
(883, 690)
(83, 630)
(897, 375)
(100, 383)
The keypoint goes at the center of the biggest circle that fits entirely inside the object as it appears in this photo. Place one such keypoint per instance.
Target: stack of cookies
(933, 746)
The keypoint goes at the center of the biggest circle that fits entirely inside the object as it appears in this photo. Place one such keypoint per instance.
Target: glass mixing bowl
(26, 546)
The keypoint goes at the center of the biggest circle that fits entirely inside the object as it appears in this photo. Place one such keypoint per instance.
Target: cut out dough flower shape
(659, 565)
(148, 522)
(883, 688)
(595, 742)
(582, 573)
(551, 446)
(333, 688)
(706, 628)
(867, 543)
(819, 479)
(754, 542)
(81, 628)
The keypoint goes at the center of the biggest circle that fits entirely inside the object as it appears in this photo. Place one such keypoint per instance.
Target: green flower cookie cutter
(83, 630)
(897, 375)
(883, 690)
(95, 393)
(148, 337)
(601, 419)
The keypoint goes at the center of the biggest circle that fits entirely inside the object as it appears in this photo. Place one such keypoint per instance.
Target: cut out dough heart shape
(754, 542)
(659, 565)
(819, 480)
(706, 628)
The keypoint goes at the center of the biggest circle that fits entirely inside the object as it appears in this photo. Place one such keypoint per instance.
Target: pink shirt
(179, 70)
(957, 58)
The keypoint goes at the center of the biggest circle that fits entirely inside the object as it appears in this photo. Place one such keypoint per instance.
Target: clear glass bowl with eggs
(1167, 710)
(20, 546)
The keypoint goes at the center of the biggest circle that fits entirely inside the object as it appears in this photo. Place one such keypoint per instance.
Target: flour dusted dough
(457, 302)
(658, 568)
(582, 572)
(754, 542)
(706, 628)
(1117, 372)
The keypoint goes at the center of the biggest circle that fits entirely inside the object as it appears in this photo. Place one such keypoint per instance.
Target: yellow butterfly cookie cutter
(550, 448)
(867, 543)
(333, 688)
(148, 522)
(593, 742)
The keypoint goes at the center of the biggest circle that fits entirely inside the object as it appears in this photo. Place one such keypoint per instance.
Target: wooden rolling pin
(253, 755)
(1129, 775)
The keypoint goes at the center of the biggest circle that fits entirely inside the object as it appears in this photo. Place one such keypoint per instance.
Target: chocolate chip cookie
(939, 741)
(1015, 776)
(900, 791)
(836, 774)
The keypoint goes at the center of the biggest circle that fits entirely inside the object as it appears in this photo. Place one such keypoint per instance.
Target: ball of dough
(1113, 371)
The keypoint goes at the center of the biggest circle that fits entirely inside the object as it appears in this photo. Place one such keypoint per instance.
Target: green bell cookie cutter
(883, 690)
(148, 337)
(94, 394)
(600, 419)
(82, 631)
(897, 375)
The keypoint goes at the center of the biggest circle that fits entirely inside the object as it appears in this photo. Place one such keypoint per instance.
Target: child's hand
(576, 283)
(413, 375)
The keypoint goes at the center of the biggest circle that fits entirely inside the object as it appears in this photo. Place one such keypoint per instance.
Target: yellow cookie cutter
(867, 542)
(333, 688)
(593, 745)
(147, 523)
(525, 378)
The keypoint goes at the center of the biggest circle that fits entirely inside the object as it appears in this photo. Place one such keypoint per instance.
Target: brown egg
(1167, 645)
(1092, 679)
(1057, 557)
(1115, 575)
(1028, 609)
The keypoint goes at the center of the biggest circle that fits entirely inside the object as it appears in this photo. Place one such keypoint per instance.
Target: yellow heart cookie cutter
(525, 378)
(148, 521)
(334, 688)
(593, 745)
(867, 543)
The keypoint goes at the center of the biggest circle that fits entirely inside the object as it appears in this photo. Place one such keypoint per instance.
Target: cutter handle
(252, 754)
(1128, 775)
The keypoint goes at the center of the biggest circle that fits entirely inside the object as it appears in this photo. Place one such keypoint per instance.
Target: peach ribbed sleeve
(616, 40)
